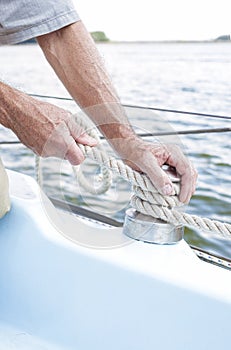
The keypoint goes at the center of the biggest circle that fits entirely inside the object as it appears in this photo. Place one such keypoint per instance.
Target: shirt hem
(42, 28)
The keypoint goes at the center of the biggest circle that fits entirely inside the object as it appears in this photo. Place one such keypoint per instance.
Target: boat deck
(67, 284)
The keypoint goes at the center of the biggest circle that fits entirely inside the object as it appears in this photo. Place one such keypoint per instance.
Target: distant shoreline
(212, 41)
(165, 42)
(100, 37)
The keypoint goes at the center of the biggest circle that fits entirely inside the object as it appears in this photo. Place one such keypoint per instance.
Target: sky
(130, 20)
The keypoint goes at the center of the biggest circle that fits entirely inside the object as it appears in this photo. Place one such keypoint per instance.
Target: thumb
(79, 134)
(74, 155)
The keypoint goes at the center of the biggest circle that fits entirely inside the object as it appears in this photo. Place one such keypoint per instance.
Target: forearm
(46, 129)
(7, 104)
(76, 61)
(20, 113)
(17, 110)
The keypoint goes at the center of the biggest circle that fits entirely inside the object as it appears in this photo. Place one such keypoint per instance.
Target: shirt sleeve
(21, 20)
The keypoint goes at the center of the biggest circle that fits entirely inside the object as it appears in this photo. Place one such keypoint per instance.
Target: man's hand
(150, 157)
(46, 129)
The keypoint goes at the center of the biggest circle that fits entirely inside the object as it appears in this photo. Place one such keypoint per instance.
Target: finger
(78, 133)
(188, 183)
(185, 193)
(187, 173)
(85, 139)
(195, 176)
(157, 176)
(74, 155)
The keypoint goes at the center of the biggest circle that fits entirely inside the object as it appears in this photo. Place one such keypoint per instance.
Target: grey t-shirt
(21, 20)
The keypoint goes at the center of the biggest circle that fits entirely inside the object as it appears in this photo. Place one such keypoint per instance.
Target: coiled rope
(146, 198)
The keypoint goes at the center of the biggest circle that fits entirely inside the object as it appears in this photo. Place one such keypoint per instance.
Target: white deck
(57, 294)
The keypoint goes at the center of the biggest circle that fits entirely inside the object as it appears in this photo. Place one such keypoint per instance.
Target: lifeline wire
(144, 107)
(161, 133)
(149, 134)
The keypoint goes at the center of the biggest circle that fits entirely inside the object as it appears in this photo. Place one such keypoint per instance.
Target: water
(192, 77)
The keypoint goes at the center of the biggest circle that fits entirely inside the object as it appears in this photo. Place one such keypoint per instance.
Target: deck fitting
(148, 229)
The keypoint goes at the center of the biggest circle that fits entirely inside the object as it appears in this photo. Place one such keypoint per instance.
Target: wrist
(117, 131)
(123, 140)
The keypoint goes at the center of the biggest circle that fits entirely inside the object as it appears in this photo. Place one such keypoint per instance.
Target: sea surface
(181, 76)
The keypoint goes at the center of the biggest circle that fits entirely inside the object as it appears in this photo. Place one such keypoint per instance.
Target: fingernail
(167, 190)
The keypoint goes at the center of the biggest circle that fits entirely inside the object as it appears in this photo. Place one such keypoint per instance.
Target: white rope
(146, 199)
(149, 201)
(104, 179)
